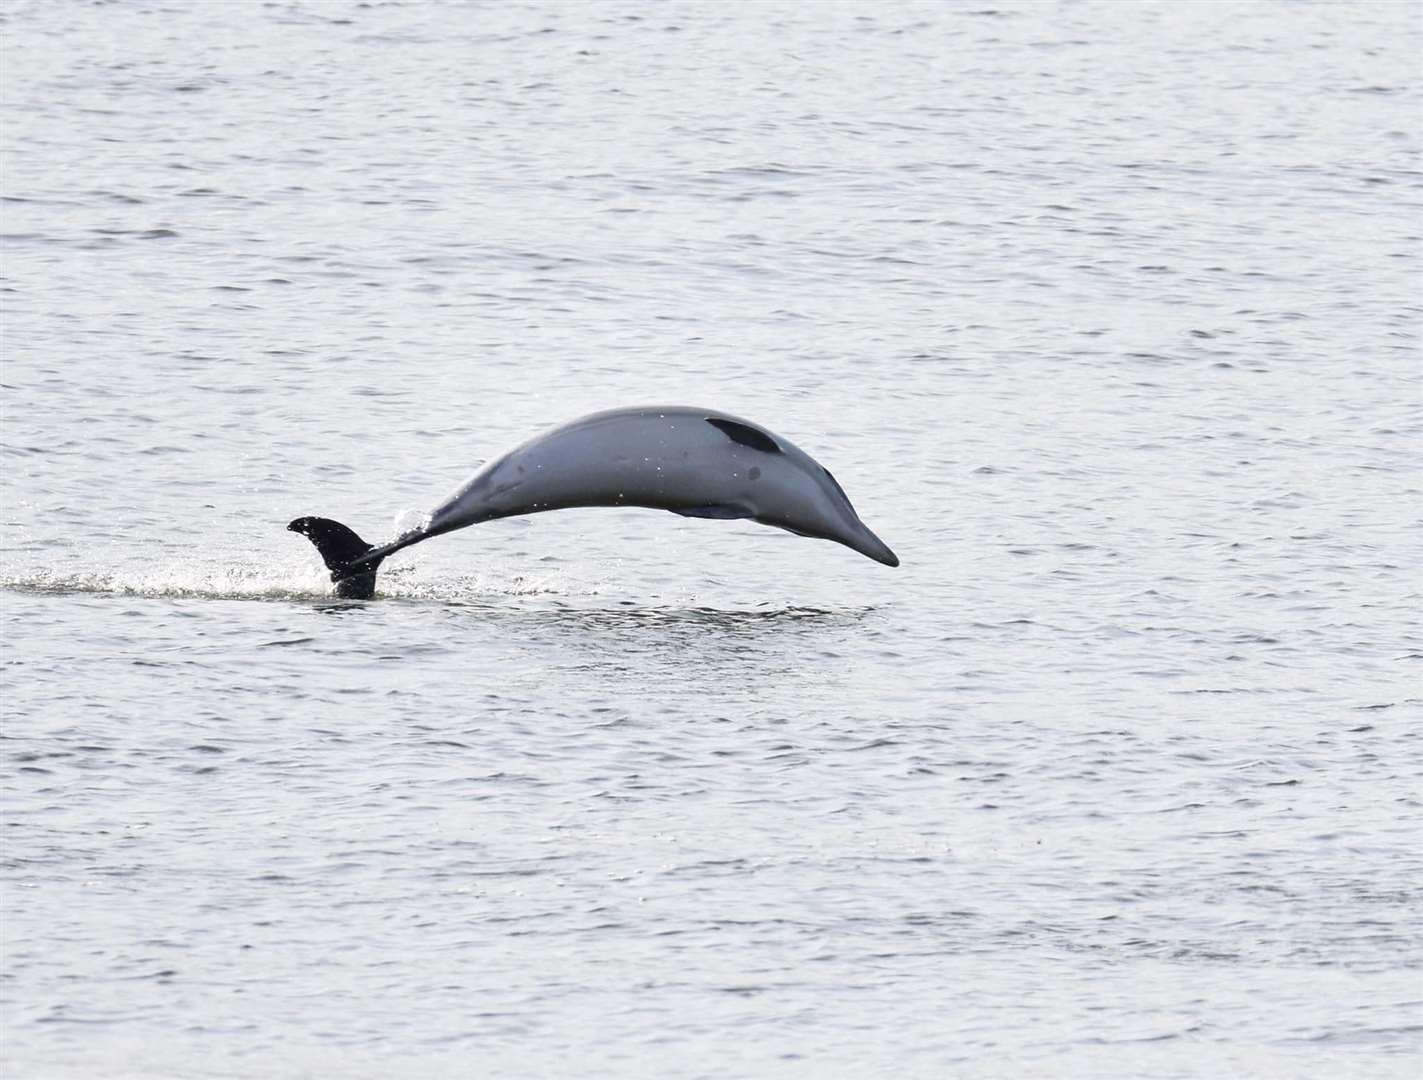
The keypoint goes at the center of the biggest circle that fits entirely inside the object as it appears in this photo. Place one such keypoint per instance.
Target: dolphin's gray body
(694, 462)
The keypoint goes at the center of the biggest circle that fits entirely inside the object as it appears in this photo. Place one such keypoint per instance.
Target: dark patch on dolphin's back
(744, 434)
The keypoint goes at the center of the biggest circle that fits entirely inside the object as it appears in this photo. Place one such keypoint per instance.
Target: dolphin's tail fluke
(339, 547)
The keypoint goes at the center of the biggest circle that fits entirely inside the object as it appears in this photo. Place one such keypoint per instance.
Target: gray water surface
(1105, 315)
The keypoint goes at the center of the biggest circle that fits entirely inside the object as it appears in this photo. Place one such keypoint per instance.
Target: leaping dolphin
(693, 462)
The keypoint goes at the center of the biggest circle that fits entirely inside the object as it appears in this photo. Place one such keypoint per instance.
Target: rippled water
(1105, 315)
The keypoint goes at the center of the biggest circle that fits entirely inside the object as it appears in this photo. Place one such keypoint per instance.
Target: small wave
(680, 620)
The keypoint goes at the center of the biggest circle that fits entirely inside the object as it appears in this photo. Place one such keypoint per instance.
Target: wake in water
(276, 582)
(225, 582)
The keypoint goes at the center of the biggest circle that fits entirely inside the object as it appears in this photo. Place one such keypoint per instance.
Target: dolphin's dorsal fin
(744, 434)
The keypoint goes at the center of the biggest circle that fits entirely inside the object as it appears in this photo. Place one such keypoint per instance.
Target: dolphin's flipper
(725, 512)
(339, 547)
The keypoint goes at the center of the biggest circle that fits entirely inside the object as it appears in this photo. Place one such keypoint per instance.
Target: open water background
(1106, 316)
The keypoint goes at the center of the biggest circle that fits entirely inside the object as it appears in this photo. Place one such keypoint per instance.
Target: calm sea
(1107, 317)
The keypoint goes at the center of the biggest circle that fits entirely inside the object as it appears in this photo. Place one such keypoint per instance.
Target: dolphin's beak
(859, 538)
(877, 550)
